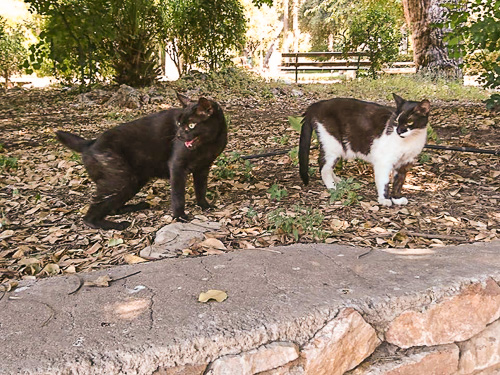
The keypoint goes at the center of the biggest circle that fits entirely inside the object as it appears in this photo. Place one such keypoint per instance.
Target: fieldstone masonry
(298, 310)
(459, 335)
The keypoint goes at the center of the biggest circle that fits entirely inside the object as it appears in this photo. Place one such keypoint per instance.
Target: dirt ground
(453, 196)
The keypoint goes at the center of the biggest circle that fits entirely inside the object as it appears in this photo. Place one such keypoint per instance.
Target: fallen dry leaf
(133, 259)
(101, 281)
(217, 295)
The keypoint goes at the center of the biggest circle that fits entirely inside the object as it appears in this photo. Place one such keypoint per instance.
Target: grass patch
(410, 87)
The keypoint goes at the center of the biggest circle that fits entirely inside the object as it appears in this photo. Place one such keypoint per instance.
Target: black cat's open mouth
(192, 143)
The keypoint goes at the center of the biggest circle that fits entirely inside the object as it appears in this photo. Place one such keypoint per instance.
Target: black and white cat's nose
(402, 131)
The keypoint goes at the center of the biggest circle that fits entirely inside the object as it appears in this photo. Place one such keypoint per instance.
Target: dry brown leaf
(101, 281)
(213, 243)
(217, 295)
(133, 259)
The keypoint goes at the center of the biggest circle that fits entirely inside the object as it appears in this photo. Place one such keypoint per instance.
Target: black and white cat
(388, 138)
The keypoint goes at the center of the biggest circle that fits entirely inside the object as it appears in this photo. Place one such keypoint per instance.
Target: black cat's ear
(204, 107)
(399, 100)
(423, 107)
(183, 99)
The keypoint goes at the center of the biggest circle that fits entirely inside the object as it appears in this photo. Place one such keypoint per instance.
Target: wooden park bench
(328, 61)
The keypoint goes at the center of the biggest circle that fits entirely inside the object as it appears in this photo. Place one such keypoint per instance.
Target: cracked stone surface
(152, 320)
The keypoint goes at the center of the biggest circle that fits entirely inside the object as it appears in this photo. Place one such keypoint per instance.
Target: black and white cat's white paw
(385, 201)
(400, 201)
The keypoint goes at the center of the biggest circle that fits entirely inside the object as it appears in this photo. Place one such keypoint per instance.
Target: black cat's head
(410, 116)
(192, 122)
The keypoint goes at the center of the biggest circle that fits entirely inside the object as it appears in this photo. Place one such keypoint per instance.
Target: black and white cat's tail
(304, 148)
(73, 141)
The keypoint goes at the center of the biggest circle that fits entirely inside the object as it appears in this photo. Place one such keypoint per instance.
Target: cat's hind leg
(330, 151)
(115, 185)
(326, 166)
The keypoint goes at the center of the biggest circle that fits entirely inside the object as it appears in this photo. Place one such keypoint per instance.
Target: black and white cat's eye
(191, 125)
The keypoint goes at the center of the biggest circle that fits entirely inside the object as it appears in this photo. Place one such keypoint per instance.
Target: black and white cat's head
(410, 116)
(192, 122)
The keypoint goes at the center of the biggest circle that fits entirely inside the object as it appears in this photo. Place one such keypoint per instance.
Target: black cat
(169, 144)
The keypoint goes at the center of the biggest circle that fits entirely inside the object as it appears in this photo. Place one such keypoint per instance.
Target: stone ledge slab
(152, 321)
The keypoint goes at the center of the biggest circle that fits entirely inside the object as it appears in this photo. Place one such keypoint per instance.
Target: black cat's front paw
(204, 205)
(182, 217)
(106, 224)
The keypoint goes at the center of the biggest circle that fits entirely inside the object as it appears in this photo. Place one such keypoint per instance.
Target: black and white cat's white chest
(388, 138)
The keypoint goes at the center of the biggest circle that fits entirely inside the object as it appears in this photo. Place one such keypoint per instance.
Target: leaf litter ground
(44, 189)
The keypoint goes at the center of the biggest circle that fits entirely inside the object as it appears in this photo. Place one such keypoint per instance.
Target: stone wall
(456, 335)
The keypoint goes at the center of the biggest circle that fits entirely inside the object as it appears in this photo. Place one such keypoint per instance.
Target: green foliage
(345, 190)
(424, 158)
(7, 163)
(374, 30)
(91, 40)
(296, 124)
(134, 48)
(72, 38)
(277, 193)
(332, 23)
(475, 34)
(202, 32)
(259, 3)
(432, 135)
(300, 221)
(232, 166)
(12, 51)
(294, 155)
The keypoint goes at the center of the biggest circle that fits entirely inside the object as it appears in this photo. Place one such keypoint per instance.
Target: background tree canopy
(12, 50)
(91, 40)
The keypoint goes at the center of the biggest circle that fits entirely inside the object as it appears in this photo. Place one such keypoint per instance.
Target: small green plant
(432, 135)
(277, 193)
(7, 163)
(283, 140)
(251, 212)
(232, 165)
(424, 158)
(75, 156)
(346, 190)
(296, 124)
(294, 155)
(227, 117)
(300, 221)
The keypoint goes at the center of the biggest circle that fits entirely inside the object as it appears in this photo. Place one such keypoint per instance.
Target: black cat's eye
(191, 125)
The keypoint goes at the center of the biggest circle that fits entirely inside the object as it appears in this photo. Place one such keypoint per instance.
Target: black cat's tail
(304, 148)
(73, 141)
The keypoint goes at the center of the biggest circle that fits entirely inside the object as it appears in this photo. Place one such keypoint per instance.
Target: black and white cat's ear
(204, 107)
(423, 107)
(399, 100)
(183, 99)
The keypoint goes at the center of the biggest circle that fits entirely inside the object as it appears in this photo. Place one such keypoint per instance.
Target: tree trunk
(285, 25)
(430, 53)
(270, 50)
(295, 17)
